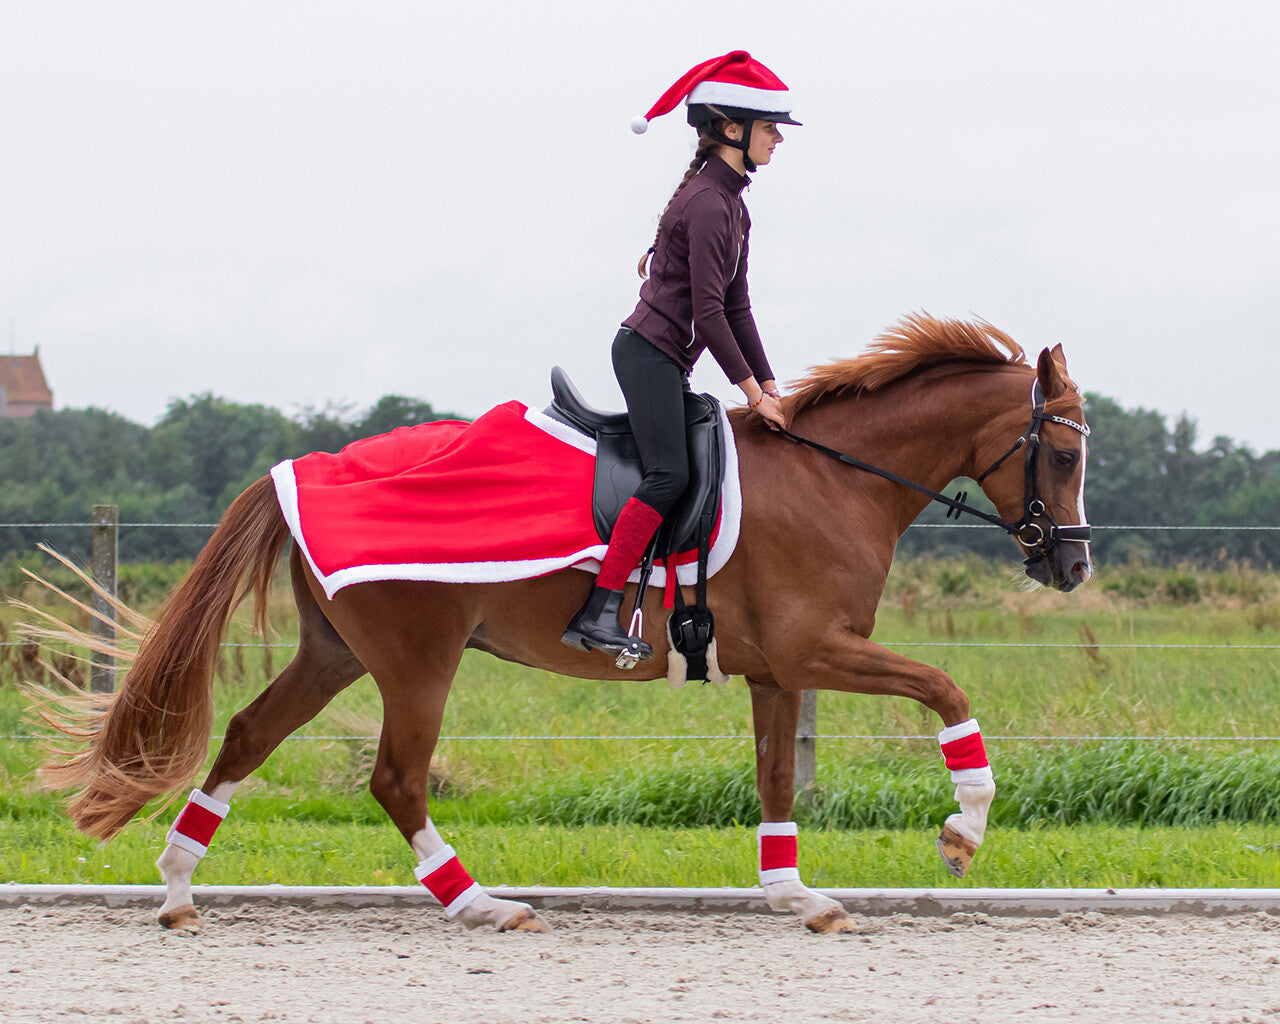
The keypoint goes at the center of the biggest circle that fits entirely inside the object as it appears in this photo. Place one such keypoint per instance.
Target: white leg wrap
(177, 866)
(779, 875)
(178, 862)
(799, 899)
(975, 801)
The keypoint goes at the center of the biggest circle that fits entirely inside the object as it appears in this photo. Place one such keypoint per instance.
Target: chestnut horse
(795, 606)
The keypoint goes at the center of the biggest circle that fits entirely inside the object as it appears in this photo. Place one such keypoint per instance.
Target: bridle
(1036, 531)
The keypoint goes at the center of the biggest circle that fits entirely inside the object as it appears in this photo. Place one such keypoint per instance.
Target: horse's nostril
(1081, 569)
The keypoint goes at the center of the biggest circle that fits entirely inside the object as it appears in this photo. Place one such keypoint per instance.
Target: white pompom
(639, 125)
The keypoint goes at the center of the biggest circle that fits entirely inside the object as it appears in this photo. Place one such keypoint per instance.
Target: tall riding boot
(596, 626)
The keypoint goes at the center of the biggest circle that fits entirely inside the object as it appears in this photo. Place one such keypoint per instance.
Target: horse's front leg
(842, 660)
(775, 713)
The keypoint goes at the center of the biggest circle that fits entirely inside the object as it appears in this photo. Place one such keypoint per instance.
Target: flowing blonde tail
(152, 735)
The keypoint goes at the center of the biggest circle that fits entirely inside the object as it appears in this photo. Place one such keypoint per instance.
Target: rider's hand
(771, 409)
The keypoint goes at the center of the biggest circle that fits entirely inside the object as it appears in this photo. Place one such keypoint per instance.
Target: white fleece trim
(973, 776)
(777, 828)
(203, 799)
(561, 431)
(504, 572)
(436, 861)
(176, 838)
(730, 94)
(775, 875)
(468, 897)
(958, 732)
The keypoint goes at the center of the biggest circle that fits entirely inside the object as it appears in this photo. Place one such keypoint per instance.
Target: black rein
(1033, 507)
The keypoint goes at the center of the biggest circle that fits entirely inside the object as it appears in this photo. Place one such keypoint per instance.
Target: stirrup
(596, 628)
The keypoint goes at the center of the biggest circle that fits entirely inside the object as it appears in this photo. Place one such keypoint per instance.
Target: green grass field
(1148, 808)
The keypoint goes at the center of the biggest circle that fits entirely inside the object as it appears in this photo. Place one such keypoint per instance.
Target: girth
(618, 470)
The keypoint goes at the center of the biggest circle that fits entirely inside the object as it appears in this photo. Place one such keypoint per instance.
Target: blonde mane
(916, 341)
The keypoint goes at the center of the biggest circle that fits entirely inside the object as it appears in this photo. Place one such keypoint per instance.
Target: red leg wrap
(636, 526)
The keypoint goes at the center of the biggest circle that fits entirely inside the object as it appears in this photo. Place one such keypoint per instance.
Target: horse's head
(1038, 485)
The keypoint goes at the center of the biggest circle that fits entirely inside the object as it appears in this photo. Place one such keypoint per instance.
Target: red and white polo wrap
(964, 752)
(194, 829)
(447, 880)
(778, 852)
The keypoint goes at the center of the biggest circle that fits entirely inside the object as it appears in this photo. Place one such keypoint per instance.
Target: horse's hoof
(957, 851)
(182, 919)
(831, 922)
(524, 921)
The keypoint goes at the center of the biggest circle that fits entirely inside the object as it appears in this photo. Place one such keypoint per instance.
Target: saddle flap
(618, 470)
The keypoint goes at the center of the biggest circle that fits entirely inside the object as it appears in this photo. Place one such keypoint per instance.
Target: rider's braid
(706, 146)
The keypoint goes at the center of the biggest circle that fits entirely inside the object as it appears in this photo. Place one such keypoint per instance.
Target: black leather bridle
(1036, 531)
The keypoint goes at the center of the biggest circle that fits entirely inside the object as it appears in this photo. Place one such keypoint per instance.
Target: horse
(930, 400)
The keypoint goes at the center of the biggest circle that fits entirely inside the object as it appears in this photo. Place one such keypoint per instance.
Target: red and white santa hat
(737, 84)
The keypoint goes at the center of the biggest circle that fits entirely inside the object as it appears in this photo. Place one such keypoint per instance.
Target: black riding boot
(596, 627)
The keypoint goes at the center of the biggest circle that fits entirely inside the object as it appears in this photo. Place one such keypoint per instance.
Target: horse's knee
(778, 777)
(945, 697)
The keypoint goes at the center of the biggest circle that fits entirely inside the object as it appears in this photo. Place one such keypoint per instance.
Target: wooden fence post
(807, 744)
(106, 563)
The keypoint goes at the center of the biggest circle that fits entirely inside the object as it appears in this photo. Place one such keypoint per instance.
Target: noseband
(1036, 531)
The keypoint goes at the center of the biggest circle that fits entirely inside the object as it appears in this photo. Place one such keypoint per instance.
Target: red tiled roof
(22, 377)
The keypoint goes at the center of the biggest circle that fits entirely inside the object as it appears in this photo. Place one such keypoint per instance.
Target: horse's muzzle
(1064, 567)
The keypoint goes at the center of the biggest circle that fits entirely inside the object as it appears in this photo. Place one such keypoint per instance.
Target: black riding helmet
(706, 117)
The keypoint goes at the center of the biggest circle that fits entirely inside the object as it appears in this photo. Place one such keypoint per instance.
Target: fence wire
(733, 737)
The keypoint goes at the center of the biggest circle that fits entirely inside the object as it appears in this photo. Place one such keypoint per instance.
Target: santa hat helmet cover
(736, 86)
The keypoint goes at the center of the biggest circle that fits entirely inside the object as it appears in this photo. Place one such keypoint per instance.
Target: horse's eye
(1067, 460)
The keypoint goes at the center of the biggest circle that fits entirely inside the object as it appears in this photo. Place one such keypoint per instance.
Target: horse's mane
(913, 343)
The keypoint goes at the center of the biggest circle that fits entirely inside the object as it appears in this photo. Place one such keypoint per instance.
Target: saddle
(618, 470)
(687, 527)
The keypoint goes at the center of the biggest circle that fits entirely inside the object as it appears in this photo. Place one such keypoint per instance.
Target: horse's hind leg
(775, 713)
(414, 663)
(322, 668)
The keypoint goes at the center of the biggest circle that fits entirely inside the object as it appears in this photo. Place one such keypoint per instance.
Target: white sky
(310, 203)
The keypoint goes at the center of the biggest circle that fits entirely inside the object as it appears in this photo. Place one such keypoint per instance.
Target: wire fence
(733, 737)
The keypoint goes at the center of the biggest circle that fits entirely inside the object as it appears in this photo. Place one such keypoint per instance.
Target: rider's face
(764, 137)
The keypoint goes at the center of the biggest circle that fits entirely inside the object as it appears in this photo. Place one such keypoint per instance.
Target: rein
(1033, 536)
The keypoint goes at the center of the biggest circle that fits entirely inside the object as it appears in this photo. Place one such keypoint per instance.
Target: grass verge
(309, 853)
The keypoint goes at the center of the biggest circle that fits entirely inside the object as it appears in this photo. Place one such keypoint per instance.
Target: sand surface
(293, 964)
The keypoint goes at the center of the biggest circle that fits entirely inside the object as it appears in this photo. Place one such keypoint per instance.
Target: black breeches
(654, 388)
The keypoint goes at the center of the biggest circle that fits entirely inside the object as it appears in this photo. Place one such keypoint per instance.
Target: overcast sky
(310, 204)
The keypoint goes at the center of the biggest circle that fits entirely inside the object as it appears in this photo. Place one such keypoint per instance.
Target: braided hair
(707, 145)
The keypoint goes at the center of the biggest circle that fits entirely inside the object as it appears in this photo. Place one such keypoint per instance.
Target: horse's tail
(152, 735)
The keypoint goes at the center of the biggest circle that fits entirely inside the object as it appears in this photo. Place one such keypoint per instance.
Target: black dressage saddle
(618, 471)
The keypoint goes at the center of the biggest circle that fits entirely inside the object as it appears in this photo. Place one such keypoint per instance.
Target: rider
(694, 297)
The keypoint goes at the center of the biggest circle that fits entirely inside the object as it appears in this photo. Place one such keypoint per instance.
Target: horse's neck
(929, 428)
(927, 425)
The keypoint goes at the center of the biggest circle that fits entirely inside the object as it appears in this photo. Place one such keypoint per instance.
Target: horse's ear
(1059, 358)
(1051, 373)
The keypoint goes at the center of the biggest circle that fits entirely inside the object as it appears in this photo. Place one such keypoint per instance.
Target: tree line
(186, 469)
(1142, 472)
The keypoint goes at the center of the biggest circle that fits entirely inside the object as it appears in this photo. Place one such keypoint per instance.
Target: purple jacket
(696, 294)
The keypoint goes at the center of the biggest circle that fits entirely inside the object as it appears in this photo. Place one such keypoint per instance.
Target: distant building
(23, 388)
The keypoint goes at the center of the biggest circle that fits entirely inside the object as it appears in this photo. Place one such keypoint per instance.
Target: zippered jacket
(696, 295)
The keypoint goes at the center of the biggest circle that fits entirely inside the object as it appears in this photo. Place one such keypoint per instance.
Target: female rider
(694, 298)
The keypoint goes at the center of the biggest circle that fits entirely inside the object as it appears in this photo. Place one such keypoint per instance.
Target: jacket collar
(721, 173)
